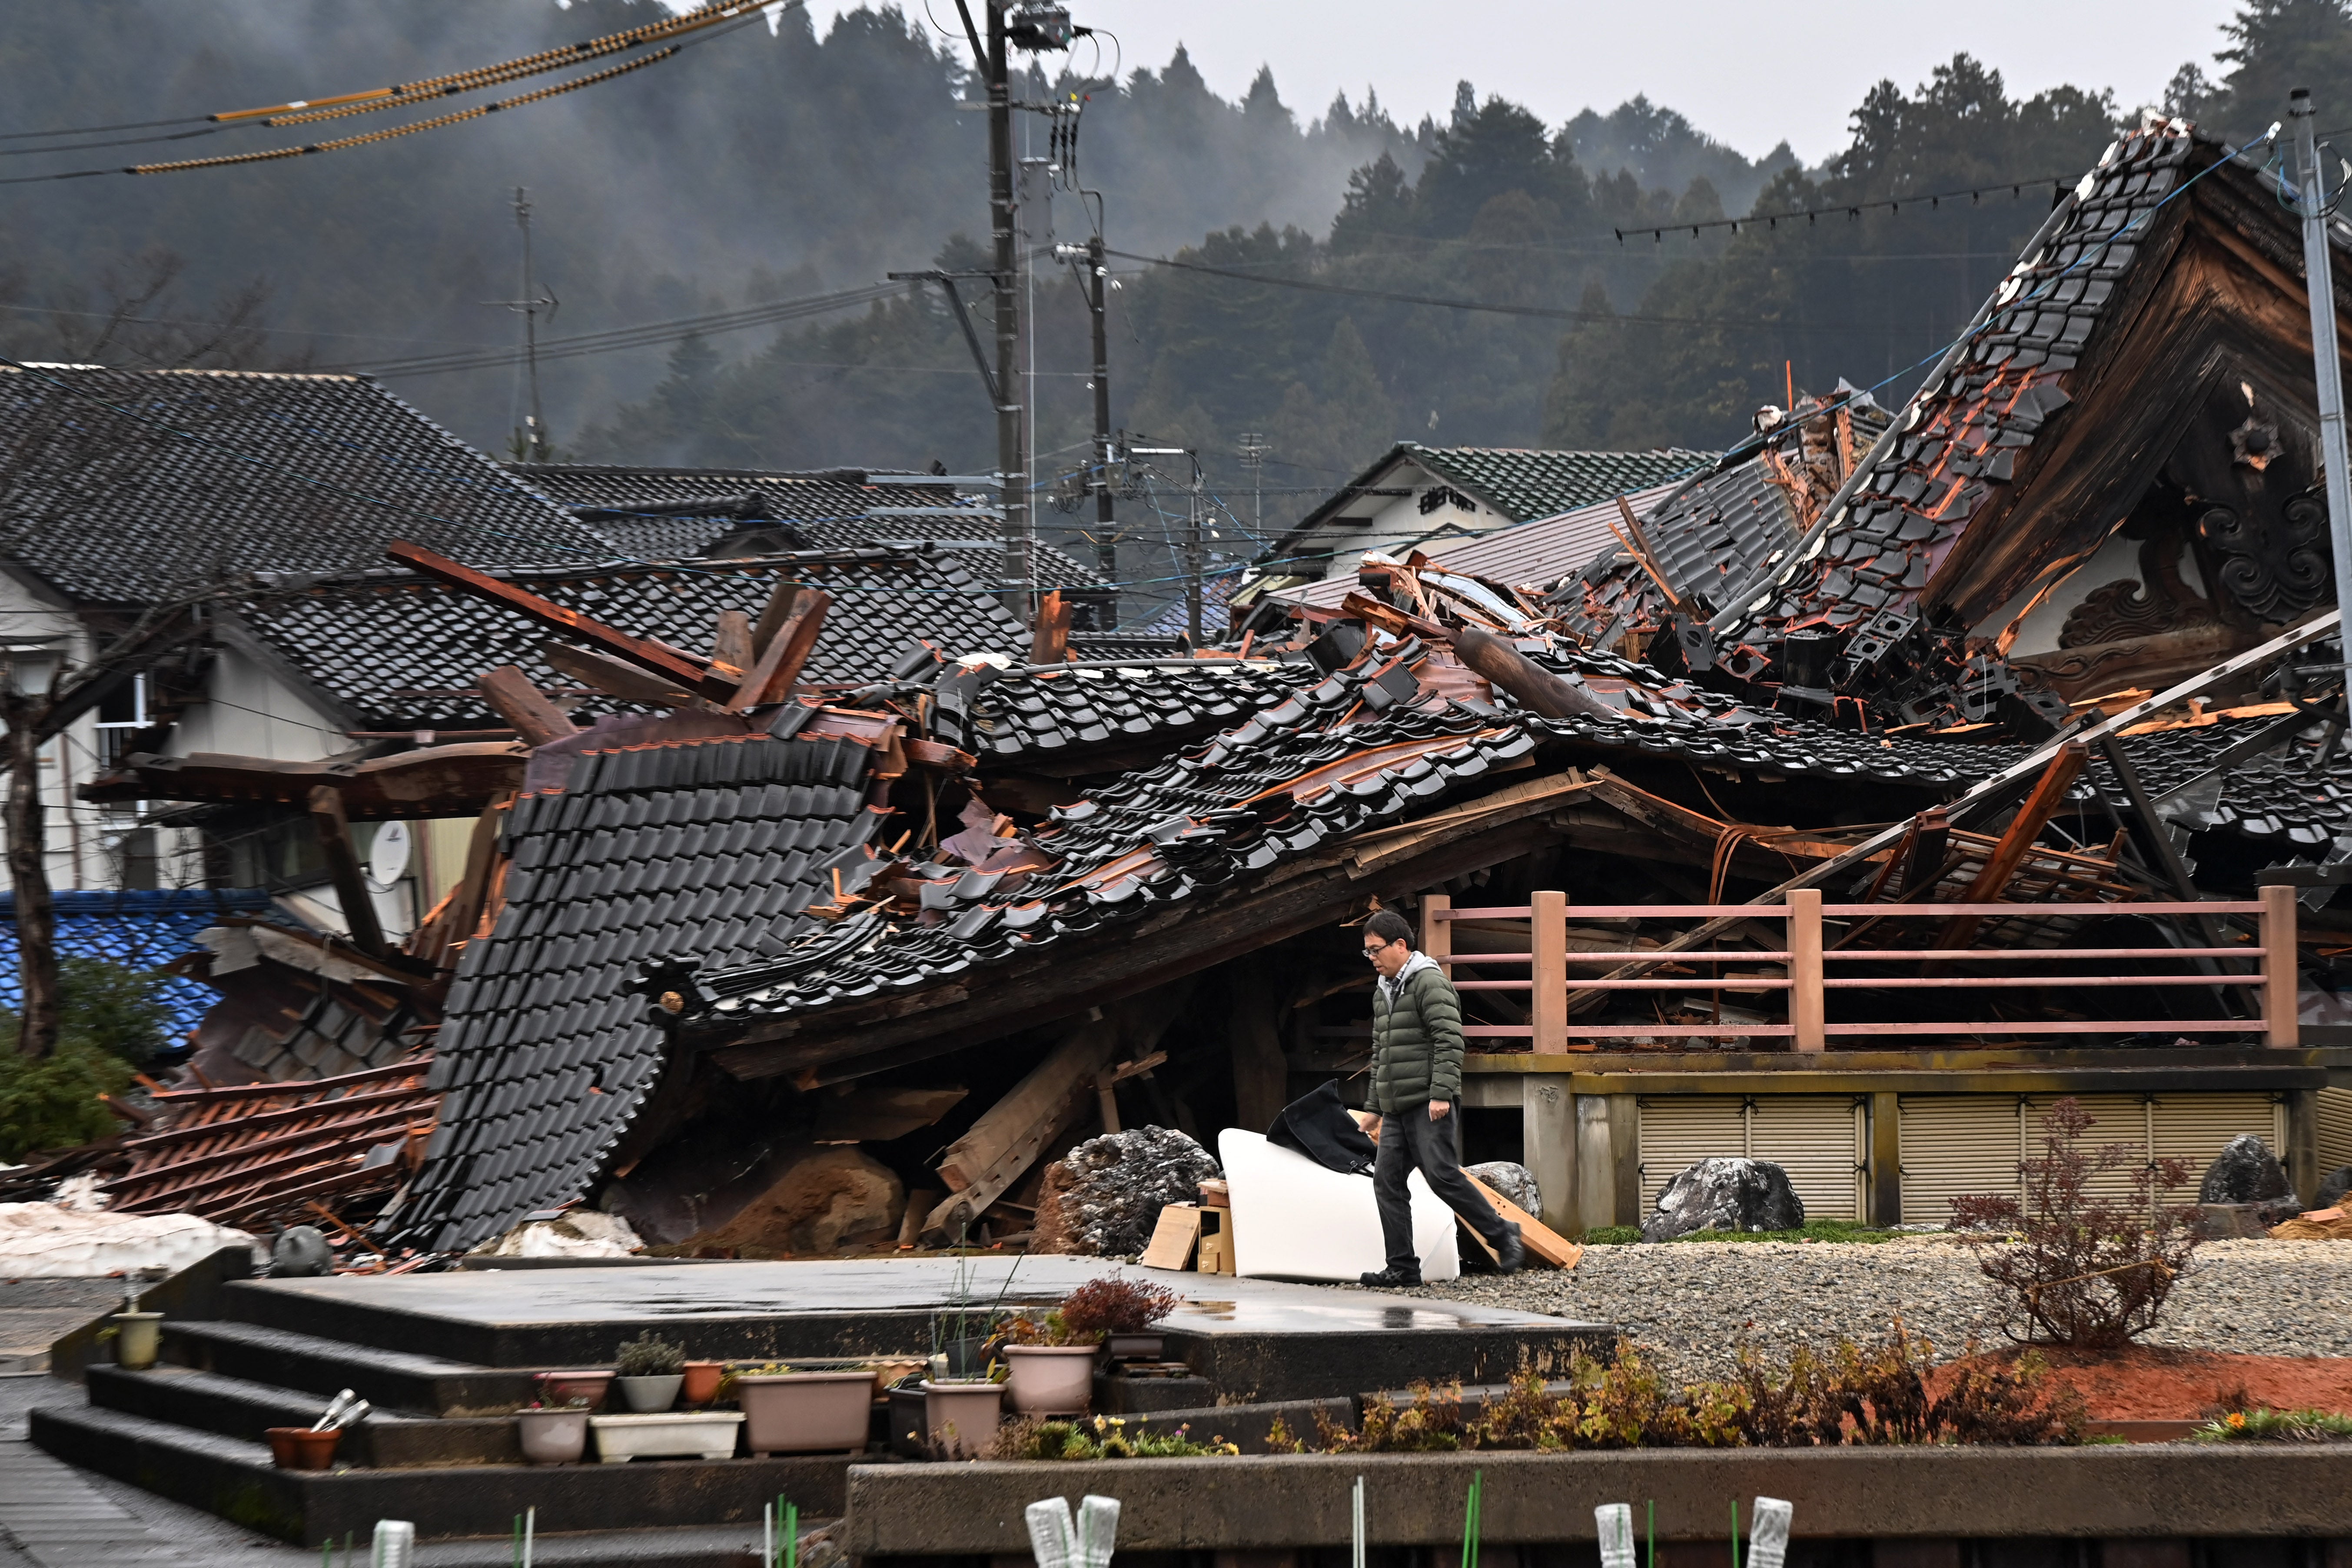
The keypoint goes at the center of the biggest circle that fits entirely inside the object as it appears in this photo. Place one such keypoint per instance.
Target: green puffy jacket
(1416, 1039)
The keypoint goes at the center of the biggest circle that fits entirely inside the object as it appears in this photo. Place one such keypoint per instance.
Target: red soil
(2149, 1383)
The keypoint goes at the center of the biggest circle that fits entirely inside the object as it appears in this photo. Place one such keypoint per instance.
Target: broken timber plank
(2048, 794)
(1541, 1240)
(656, 658)
(772, 616)
(730, 646)
(779, 666)
(982, 1166)
(1175, 1238)
(334, 830)
(1050, 642)
(524, 706)
(613, 675)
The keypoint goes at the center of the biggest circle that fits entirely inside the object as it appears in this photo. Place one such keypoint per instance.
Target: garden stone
(1725, 1193)
(1104, 1195)
(300, 1253)
(1513, 1181)
(2332, 1186)
(2246, 1172)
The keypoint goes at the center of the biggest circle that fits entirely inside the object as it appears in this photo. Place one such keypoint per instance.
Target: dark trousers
(1410, 1140)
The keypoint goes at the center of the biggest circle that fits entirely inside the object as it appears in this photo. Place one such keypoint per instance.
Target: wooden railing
(1804, 962)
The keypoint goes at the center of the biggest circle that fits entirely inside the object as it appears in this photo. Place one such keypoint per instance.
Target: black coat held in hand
(1416, 1039)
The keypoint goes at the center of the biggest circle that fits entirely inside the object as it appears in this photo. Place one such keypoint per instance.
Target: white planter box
(703, 1433)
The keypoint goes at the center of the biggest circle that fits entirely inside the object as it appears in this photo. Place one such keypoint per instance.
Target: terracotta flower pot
(554, 1437)
(300, 1448)
(702, 1381)
(138, 1340)
(806, 1412)
(960, 1419)
(1051, 1380)
(563, 1387)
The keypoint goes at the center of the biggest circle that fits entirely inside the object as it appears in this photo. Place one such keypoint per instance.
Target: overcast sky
(1746, 73)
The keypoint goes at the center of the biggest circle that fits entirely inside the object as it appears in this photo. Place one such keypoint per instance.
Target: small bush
(1613, 1235)
(1115, 1306)
(2266, 1426)
(53, 1103)
(2090, 1274)
(1840, 1230)
(1103, 1437)
(1888, 1393)
(106, 1007)
(649, 1355)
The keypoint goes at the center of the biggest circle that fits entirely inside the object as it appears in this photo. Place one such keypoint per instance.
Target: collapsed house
(1959, 705)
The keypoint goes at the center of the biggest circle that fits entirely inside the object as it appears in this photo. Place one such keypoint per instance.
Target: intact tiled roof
(830, 508)
(122, 486)
(1526, 484)
(645, 853)
(136, 930)
(1539, 552)
(404, 652)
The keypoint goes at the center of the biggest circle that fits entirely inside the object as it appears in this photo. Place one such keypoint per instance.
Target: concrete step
(720, 1547)
(235, 1480)
(236, 1407)
(391, 1380)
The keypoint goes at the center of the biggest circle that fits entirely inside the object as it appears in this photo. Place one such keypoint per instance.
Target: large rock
(1104, 1195)
(831, 1199)
(2332, 1186)
(1513, 1181)
(2246, 1172)
(1725, 1193)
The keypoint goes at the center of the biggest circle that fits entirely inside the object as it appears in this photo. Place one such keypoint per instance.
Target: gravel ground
(1690, 1305)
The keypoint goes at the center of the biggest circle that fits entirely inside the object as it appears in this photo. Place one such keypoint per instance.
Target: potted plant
(1049, 1366)
(303, 1448)
(138, 1340)
(703, 1379)
(574, 1387)
(960, 1419)
(788, 1412)
(554, 1434)
(1122, 1311)
(650, 1370)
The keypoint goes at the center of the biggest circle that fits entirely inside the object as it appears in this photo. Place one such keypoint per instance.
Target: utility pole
(534, 447)
(2311, 186)
(1012, 472)
(1104, 453)
(1253, 452)
(1191, 562)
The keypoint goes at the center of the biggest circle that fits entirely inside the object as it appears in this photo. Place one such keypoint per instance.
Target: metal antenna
(534, 445)
(2311, 188)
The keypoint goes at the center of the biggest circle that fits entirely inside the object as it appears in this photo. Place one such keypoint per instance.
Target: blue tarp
(138, 929)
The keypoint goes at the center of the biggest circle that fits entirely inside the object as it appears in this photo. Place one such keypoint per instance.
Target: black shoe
(1389, 1279)
(1512, 1253)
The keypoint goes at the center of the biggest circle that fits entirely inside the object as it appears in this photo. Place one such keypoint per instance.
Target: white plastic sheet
(57, 1241)
(1293, 1219)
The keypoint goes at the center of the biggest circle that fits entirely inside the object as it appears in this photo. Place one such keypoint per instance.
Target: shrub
(106, 1007)
(54, 1103)
(1115, 1306)
(649, 1355)
(1613, 1235)
(2089, 1273)
(1889, 1393)
(1103, 1437)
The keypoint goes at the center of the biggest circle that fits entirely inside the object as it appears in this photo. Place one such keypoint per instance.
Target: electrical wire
(741, 13)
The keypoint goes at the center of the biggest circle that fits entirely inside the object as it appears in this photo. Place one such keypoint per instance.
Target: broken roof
(1521, 483)
(136, 930)
(123, 486)
(401, 651)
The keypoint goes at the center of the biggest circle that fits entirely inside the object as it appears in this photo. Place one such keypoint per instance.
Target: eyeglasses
(1374, 953)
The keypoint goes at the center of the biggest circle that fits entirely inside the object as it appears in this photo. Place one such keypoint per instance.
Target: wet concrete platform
(1257, 1339)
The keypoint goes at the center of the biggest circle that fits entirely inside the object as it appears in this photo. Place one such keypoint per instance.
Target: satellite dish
(388, 857)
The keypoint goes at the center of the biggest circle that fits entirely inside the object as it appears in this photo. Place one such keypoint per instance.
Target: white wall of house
(1393, 524)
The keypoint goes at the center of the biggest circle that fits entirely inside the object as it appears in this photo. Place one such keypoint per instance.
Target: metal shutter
(2192, 1128)
(2115, 1118)
(1679, 1130)
(1819, 1141)
(2334, 1128)
(1954, 1145)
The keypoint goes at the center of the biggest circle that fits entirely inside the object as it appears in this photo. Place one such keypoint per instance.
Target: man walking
(1416, 1078)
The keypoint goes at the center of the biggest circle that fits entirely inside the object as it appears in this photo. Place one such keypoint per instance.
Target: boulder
(1512, 1180)
(2332, 1186)
(829, 1200)
(2244, 1172)
(1104, 1196)
(300, 1252)
(1725, 1193)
